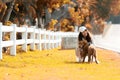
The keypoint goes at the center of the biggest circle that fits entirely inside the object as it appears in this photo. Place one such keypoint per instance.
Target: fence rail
(43, 39)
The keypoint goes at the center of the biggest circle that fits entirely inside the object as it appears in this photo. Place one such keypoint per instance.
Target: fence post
(39, 38)
(56, 38)
(48, 38)
(45, 39)
(32, 36)
(24, 36)
(49, 33)
(45, 44)
(55, 34)
(0, 40)
(59, 38)
(52, 40)
(13, 38)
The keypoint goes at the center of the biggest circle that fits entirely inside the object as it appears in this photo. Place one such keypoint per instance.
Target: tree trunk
(9, 11)
(47, 16)
(27, 6)
(38, 18)
(3, 10)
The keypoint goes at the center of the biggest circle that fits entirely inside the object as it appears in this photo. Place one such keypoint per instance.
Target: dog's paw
(97, 62)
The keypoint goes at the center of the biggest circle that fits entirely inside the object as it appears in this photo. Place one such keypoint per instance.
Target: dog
(85, 50)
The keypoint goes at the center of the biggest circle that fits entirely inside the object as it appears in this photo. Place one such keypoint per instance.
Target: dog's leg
(97, 62)
(83, 59)
(92, 55)
(84, 56)
(90, 58)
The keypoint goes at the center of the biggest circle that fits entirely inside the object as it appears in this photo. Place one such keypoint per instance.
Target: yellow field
(59, 64)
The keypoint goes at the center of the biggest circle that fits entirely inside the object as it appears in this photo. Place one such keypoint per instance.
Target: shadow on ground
(70, 62)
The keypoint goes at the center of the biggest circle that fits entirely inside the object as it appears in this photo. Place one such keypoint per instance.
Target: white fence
(41, 38)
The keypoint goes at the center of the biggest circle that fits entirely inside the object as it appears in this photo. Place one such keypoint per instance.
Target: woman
(83, 35)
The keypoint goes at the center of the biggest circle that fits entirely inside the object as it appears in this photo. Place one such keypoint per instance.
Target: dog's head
(82, 43)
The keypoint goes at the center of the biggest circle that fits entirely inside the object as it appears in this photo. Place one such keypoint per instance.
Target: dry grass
(59, 64)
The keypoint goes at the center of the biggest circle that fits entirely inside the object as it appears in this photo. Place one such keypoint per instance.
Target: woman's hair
(88, 38)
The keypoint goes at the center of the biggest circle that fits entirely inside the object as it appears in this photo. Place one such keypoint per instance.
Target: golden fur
(85, 50)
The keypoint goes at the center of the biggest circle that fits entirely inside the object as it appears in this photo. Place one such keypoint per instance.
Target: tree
(78, 12)
(3, 9)
(9, 10)
(100, 8)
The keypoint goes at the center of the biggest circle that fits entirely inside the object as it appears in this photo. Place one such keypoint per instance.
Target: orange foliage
(51, 4)
(115, 8)
(51, 24)
(8, 23)
(66, 26)
(88, 25)
(77, 17)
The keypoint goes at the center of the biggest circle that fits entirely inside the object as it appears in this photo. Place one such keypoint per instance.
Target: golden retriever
(85, 50)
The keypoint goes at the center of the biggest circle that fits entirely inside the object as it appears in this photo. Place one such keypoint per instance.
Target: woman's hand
(92, 46)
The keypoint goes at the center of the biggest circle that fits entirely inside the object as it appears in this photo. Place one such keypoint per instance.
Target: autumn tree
(3, 8)
(81, 12)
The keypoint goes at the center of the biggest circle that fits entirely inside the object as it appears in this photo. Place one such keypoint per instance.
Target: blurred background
(61, 15)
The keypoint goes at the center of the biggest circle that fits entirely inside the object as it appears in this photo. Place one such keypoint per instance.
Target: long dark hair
(88, 38)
